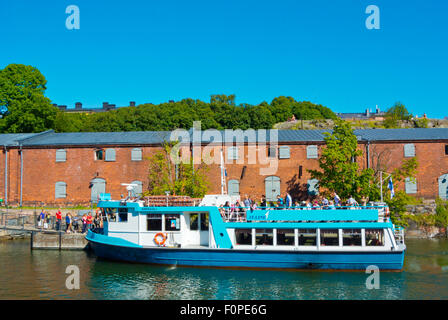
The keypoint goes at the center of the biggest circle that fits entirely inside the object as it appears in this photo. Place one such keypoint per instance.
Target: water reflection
(41, 275)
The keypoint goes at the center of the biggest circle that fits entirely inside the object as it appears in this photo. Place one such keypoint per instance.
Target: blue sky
(154, 51)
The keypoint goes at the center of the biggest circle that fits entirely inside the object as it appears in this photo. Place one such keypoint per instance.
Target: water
(40, 274)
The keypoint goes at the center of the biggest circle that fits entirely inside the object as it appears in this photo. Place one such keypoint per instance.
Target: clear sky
(155, 51)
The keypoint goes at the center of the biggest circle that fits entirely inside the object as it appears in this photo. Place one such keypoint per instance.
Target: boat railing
(239, 214)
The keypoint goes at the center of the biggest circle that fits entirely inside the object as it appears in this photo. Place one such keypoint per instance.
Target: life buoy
(158, 241)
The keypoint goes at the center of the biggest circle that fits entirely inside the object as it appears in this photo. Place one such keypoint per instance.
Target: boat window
(351, 237)
(154, 222)
(204, 221)
(285, 237)
(111, 214)
(194, 221)
(329, 237)
(307, 237)
(172, 222)
(374, 237)
(264, 237)
(243, 236)
(122, 215)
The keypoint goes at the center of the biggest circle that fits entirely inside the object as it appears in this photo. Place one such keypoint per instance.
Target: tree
(398, 203)
(186, 179)
(26, 108)
(397, 112)
(340, 172)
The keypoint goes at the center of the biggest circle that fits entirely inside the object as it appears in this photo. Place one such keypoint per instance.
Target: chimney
(105, 104)
(377, 109)
(132, 104)
(78, 105)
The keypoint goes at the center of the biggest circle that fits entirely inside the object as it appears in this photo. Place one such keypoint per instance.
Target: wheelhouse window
(307, 237)
(154, 222)
(122, 215)
(243, 236)
(351, 237)
(264, 237)
(272, 152)
(204, 222)
(172, 222)
(374, 237)
(285, 237)
(194, 221)
(329, 237)
(111, 214)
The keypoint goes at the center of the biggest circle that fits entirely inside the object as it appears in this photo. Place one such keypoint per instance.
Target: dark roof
(50, 138)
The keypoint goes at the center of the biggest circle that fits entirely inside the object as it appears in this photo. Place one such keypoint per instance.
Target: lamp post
(167, 194)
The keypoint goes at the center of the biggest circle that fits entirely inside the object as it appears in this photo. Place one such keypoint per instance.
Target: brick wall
(41, 171)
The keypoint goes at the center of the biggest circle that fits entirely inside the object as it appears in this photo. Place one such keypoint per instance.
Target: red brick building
(73, 168)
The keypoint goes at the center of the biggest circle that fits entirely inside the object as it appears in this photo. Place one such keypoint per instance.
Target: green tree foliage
(441, 217)
(339, 172)
(22, 91)
(190, 181)
(220, 113)
(396, 113)
(400, 200)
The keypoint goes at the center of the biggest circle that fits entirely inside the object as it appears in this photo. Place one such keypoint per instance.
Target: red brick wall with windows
(41, 171)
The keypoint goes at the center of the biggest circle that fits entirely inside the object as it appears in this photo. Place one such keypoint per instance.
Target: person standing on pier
(89, 220)
(84, 223)
(58, 219)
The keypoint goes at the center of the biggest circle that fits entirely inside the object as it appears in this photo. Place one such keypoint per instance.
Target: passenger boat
(202, 235)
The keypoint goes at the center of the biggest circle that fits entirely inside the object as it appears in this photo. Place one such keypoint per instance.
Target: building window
(329, 237)
(409, 150)
(234, 188)
(351, 237)
(313, 187)
(61, 155)
(154, 222)
(110, 155)
(446, 149)
(243, 236)
(283, 152)
(264, 237)
(99, 154)
(136, 154)
(312, 152)
(374, 237)
(232, 153)
(172, 222)
(122, 215)
(60, 190)
(410, 185)
(307, 237)
(285, 237)
(272, 152)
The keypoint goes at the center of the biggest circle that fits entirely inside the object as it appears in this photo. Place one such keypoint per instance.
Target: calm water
(26, 274)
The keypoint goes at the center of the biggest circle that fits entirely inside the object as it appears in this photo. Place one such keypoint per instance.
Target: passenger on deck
(280, 204)
(263, 203)
(336, 199)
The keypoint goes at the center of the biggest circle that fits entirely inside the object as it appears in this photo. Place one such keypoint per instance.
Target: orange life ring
(162, 241)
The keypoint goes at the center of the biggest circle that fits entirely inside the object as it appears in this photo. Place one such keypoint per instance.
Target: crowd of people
(237, 210)
(73, 223)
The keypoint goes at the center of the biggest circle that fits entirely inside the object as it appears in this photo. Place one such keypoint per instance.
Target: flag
(391, 188)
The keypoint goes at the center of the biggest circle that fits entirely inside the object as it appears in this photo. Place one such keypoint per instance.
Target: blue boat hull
(233, 258)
